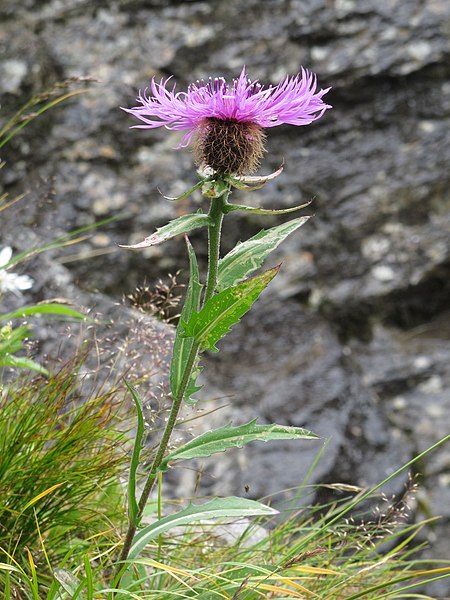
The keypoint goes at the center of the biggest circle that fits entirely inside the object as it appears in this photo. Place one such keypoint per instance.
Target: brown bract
(229, 146)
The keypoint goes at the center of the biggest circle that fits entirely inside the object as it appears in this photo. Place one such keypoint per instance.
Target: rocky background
(352, 339)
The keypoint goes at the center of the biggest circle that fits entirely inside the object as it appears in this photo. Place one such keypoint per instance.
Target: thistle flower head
(227, 119)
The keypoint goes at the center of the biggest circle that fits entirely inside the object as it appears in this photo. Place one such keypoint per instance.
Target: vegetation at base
(62, 519)
(61, 456)
(63, 452)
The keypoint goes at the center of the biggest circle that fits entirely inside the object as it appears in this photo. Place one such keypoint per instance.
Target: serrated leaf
(229, 436)
(192, 387)
(182, 345)
(214, 509)
(250, 255)
(225, 309)
(183, 224)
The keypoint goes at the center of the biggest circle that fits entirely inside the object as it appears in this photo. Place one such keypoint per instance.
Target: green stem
(171, 421)
(216, 213)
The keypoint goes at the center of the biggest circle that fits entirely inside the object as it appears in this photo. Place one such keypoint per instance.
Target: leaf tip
(152, 240)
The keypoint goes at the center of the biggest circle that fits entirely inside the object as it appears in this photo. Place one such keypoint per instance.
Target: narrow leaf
(33, 582)
(214, 509)
(219, 440)
(313, 570)
(250, 255)
(249, 182)
(288, 593)
(46, 492)
(33, 115)
(11, 339)
(133, 508)
(43, 309)
(183, 224)
(12, 568)
(89, 578)
(22, 362)
(265, 211)
(185, 194)
(225, 309)
(183, 345)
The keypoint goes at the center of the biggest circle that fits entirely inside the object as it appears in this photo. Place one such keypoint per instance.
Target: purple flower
(206, 106)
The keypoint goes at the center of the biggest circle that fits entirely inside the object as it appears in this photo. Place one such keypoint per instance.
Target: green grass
(60, 460)
(303, 557)
(62, 519)
(61, 514)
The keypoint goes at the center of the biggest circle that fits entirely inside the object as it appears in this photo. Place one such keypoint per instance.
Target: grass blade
(42, 309)
(43, 494)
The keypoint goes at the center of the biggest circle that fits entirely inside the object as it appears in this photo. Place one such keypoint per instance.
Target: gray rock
(351, 340)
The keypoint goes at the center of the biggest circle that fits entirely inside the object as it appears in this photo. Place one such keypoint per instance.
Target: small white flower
(5, 256)
(12, 282)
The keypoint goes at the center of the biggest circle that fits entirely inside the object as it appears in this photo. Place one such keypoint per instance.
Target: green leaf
(249, 182)
(214, 509)
(183, 345)
(22, 362)
(12, 568)
(215, 188)
(11, 342)
(43, 309)
(67, 580)
(225, 309)
(89, 577)
(17, 125)
(250, 255)
(185, 194)
(183, 224)
(133, 508)
(192, 387)
(11, 338)
(219, 440)
(265, 211)
(67, 239)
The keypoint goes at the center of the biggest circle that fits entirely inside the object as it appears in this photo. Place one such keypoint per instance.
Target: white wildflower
(12, 282)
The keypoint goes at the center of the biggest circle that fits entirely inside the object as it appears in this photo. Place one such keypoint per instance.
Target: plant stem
(216, 214)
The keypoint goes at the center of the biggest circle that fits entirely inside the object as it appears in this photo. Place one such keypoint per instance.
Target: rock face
(351, 340)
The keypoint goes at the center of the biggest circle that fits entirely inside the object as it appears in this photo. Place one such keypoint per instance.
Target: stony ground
(352, 338)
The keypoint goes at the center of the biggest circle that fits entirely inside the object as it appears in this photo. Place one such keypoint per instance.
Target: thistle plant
(225, 124)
